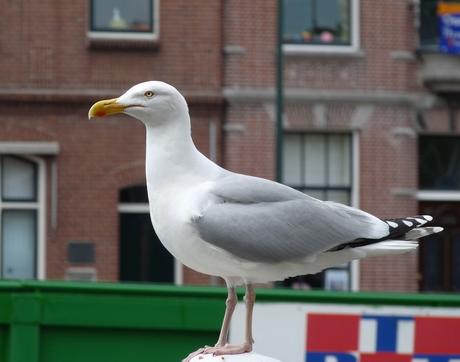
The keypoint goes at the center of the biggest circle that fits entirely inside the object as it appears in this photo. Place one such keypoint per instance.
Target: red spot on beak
(101, 113)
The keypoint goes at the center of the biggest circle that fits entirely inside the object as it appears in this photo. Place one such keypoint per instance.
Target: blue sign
(449, 28)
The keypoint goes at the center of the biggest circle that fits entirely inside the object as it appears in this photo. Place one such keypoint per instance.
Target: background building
(367, 96)
(369, 120)
(70, 195)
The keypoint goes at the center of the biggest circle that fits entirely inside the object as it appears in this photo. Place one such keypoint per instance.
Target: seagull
(244, 229)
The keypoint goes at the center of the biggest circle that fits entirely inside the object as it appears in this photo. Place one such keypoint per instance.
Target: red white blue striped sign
(382, 338)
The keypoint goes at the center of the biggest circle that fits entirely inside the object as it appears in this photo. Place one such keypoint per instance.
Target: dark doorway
(142, 256)
(439, 255)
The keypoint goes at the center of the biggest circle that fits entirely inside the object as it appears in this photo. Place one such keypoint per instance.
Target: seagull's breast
(173, 207)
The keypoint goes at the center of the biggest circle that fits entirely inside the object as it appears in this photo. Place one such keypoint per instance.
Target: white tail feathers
(421, 232)
(388, 247)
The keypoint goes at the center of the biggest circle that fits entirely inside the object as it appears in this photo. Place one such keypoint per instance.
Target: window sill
(435, 195)
(321, 51)
(30, 148)
(422, 49)
(119, 42)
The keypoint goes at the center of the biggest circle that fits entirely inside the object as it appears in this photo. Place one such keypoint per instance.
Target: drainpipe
(279, 95)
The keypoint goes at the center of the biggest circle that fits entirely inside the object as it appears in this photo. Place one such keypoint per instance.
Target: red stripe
(437, 335)
(385, 357)
(332, 332)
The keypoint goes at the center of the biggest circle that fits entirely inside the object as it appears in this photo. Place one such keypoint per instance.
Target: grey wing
(247, 189)
(289, 226)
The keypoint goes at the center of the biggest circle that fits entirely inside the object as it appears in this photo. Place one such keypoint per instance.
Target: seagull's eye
(148, 94)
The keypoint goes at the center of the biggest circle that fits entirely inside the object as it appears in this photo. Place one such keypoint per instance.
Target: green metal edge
(368, 298)
(219, 293)
(33, 286)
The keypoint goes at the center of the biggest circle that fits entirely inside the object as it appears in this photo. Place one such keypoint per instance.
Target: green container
(101, 322)
(84, 322)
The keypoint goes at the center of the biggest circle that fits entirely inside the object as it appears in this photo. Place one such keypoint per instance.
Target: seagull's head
(151, 102)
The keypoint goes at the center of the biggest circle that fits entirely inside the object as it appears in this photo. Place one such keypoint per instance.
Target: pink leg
(249, 300)
(232, 299)
(222, 347)
(246, 345)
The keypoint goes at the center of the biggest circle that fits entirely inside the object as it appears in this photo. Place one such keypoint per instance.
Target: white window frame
(39, 206)
(150, 36)
(354, 269)
(310, 188)
(355, 264)
(354, 47)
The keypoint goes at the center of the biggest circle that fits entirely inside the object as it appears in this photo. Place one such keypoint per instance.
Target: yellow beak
(105, 108)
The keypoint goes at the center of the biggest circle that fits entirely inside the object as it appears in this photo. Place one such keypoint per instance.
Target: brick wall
(51, 73)
(383, 67)
(44, 44)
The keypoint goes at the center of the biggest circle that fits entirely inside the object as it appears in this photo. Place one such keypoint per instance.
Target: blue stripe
(387, 329)
(436, 357)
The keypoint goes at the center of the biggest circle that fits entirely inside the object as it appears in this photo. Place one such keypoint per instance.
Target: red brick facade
(369, 92)
(216, 52)
(51, 74)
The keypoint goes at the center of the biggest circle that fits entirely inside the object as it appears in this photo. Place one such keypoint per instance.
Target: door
(439, 255)
(142, 256)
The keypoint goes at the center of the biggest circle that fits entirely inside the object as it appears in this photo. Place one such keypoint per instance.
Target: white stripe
(420, 221)
(405, 336)
(392, 224)
(331, 359)
(408, 223)
(368, 335)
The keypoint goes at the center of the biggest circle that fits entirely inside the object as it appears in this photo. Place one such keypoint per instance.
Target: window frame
(426, 24)
(2, 181)
(38, 205)
(307, 49)
(354, 265)
(441, 173)
(327, 187)
(154, 35)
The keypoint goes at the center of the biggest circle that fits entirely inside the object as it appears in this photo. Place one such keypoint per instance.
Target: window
(135, 19)
(142, 256)
(439, 163)
(439, 184)
(21, 185)
(320, 165)
(439, 254)
(323, 23)
(428, 25)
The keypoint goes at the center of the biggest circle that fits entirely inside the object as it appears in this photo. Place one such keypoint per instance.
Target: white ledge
(427, 195)
(322, 51)
(30, 148)
(133, 208)
(235, 94)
